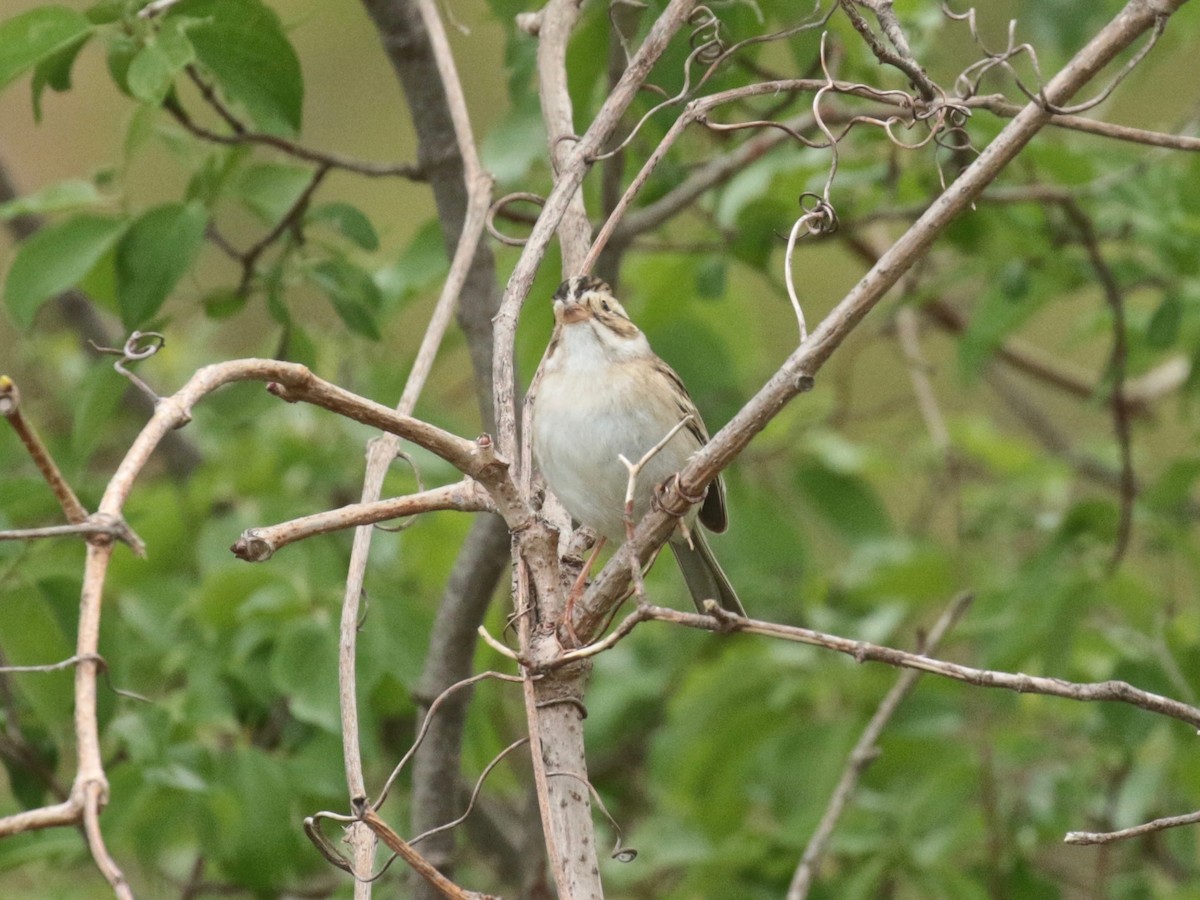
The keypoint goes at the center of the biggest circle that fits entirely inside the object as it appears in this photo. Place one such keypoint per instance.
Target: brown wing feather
(713, 513)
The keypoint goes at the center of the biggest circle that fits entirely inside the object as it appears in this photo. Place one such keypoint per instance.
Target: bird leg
(577, 590)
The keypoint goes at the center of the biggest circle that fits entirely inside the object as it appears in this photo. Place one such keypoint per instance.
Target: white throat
(588, 346)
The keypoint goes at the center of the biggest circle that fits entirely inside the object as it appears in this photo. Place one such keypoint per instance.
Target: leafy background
(715, 756)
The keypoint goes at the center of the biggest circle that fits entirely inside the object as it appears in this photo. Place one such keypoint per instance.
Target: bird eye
(604, 306)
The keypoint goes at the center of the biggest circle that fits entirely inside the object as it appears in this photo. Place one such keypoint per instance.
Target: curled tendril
(818, 218)
(953, 140)
(407, 521)
(710, 50)
(454, 823)
(816, 19)
(619, 853)
(616, 27)
(821, 217)
(968, 81)
(498, 208)
(705, 39)
(312, 828)
(140, 345)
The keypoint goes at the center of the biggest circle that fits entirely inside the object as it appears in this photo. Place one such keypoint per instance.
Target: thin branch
(289, 221)
(118, 530)
(95, 795)
(1118, 364)
(260, 544)
(416, 861)
(865, 752)
(908, 334)
(1000, 105)
(1109, 837)
(10, 408)
(423, 30)
(68, 663)
(243, 135)
(901, 59)
(415, 42)
(864, 651)
(558, 18)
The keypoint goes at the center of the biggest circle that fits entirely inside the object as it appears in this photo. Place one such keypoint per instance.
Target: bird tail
(703, 575)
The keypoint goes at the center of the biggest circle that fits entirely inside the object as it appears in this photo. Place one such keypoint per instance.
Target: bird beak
(568, 313)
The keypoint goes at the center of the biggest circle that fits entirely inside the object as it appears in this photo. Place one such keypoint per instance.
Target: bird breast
(589, 413)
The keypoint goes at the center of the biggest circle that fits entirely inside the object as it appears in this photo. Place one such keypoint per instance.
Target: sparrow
(604, 393)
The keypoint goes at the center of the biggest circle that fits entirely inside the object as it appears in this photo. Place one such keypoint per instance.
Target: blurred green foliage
(715, 756)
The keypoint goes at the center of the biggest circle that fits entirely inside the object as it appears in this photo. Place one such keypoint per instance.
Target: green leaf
(152, 71)
(38, 34)
(150, 75)
(54, 71)
(1163, 327)
(515, 144)
(63, 195)
(351, 222)
(304, 669)
(420, 265)
(56, 258)
(758, 229)
(105, 12)
(271, 189)
(154, 255)
(355, 296)
(846, 502)
(711, 277)
(223, 303)
(243, 45)
(94, 410)
(120, 53)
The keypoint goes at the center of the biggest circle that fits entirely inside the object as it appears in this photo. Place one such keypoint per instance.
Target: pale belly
(579, 434)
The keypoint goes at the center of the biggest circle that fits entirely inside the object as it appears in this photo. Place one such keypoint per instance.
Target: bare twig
(95, 796)
(429, 714)
(289, 221)
(908, 333)
(1001, 106)
(67, 663)
(865, 752)
(424, 28)
(10, 408)
(635, 469)
(119, 530)
(1109, 837)
(416, 861)
(1117, 364)
(865, 651)
(557, 21)
(901, 59)
(243, 135)
(260, 544)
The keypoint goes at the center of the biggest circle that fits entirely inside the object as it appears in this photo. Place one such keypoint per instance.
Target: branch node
(251, 547)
